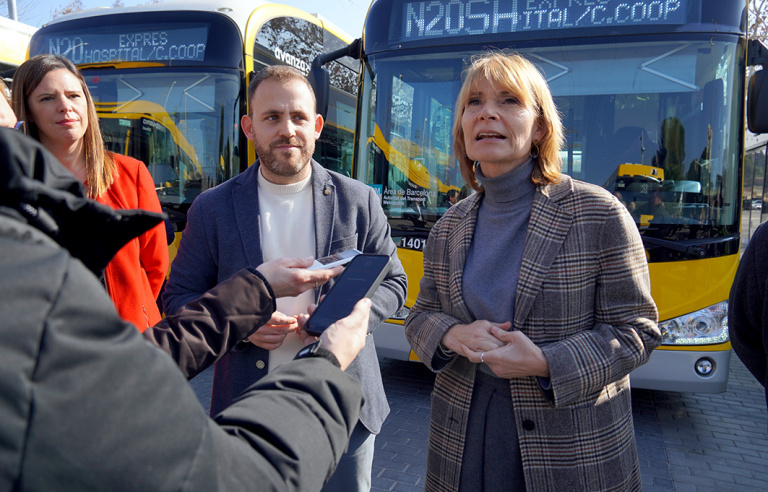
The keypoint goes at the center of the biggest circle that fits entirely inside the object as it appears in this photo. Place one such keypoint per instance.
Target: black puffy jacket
(88, 404)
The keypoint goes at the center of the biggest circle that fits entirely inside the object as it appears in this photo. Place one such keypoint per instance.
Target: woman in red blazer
(51, 96)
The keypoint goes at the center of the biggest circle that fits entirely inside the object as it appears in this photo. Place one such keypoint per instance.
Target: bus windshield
(653, 122)
(184, 125)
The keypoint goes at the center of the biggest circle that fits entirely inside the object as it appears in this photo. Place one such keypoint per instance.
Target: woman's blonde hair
(100, 167)
(523, 80)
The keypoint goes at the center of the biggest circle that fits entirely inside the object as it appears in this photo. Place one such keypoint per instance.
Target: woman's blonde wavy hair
(100, 167)
(523, 80)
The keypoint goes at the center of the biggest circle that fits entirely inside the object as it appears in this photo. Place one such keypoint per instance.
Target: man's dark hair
(280, 73)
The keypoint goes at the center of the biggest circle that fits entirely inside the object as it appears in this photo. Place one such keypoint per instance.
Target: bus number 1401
(413, 243)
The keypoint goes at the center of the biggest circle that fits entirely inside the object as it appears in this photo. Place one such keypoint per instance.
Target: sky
(347, 14)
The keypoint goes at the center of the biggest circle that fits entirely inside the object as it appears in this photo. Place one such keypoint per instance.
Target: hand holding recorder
(338, 259)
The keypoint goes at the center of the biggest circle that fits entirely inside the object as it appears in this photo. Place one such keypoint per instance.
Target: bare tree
(758, 19)
(25, 10)
(71, 8)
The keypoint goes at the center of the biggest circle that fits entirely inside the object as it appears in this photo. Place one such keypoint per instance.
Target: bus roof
(239, 12)
(13, 49)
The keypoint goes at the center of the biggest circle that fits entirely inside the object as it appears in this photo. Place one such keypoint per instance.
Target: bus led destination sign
(441, 18)
(135, 45)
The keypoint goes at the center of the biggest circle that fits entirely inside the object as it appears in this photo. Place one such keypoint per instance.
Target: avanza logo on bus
(292, 60)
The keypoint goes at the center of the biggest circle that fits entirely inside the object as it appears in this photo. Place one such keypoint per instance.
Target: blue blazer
(223, 235)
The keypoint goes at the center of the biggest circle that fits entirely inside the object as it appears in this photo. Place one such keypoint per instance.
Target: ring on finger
(481, 358)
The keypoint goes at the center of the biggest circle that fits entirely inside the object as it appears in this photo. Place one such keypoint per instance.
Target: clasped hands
(509, 354)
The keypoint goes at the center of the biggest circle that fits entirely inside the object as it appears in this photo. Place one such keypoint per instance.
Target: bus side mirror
(320, 81)
(757, 102)
(757, 91)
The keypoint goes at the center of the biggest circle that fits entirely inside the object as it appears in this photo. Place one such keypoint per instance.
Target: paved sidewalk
(686, 441)
(399, 462)
(709, 442)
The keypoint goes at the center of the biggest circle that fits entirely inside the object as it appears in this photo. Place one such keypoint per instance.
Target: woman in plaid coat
(534, 307)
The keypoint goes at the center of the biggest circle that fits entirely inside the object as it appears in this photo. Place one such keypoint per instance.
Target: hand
(272, 335)
(289, 277)
(474, 337)
(518, 357)
(346, 337)
(7, 118)
(302, 319)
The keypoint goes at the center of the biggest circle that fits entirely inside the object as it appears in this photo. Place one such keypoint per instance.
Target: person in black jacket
(748, 307)
(88, 404)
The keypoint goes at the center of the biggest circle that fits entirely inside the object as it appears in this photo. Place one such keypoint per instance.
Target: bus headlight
(705, 326)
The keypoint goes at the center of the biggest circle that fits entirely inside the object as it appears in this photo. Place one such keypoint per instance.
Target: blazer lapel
(458, 248)
(547, 229)
(246, 200)
(324, 203)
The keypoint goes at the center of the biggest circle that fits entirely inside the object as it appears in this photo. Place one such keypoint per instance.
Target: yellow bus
(144, 130)
(753, 209)
(655, 88)
(169, 84)
(13, 49)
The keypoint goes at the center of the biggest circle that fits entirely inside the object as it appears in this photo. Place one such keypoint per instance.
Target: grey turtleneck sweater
(496, 253)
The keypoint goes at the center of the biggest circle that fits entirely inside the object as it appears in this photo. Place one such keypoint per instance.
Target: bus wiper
(421, 232)
(696, 248)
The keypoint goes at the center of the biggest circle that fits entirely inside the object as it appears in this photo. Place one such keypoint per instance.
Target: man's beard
(282, 163)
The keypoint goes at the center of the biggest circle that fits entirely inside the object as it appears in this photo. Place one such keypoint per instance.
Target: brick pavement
(709, 442)
(399, 461)
(686, 441)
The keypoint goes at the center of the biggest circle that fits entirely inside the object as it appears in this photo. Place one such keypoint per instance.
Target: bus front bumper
(675, 370)
(391, 342)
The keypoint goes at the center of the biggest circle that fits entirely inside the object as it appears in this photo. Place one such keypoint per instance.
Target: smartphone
(359, 279)
(334, 260)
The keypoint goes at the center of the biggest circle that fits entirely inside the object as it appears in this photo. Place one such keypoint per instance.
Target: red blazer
(136, 273)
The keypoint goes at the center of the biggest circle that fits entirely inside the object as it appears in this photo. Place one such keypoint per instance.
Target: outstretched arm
(287, 432)
(205, 329)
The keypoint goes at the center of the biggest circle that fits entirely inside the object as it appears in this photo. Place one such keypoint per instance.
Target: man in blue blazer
(287, 205)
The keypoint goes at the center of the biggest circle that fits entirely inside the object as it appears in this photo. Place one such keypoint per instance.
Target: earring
(534, 151)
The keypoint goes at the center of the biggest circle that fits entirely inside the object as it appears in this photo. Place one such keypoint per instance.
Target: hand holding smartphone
(360, 279)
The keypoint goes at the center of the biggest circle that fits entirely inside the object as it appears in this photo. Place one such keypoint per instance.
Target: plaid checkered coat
(584, 297)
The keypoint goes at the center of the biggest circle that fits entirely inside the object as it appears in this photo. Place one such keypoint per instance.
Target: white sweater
(287, 231)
